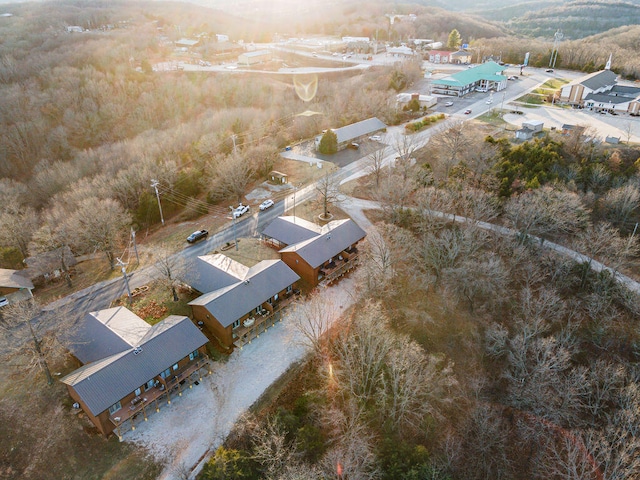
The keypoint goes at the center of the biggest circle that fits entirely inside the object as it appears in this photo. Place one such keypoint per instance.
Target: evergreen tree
(454, 39)
(328, 143)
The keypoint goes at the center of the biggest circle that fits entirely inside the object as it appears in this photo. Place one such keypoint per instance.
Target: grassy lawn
(531, 98)
(493, 117)
(301, 172)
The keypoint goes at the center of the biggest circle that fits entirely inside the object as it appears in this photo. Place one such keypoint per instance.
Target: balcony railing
(341, 268)
(247, 332)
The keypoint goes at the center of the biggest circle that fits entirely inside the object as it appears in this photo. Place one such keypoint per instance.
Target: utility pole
(135, 247)
(154, 184)
(554, 53)
(235, 229)
(295, 189)
(126, 280)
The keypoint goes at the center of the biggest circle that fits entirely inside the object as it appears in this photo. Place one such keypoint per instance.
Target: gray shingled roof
(604, 98)
(335, 237)
(211, 272)
(107, 332)
(626, 91)
(262, 282)
(597, 80)
(14, 279)
(103, 383)
(289, 230)
(359, 129)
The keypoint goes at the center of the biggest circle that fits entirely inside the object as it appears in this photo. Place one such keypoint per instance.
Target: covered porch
(253, 326)
(339, 266)
(149, 401)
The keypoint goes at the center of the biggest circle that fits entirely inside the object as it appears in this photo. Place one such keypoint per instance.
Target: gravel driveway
(199, 421)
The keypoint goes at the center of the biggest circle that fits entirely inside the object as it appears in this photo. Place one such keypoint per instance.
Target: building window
(175, 367)
(150, 384)
(193, 355)
(236, 324)
(289, 288)
(114, 408)
(138, 391)
(166, 373)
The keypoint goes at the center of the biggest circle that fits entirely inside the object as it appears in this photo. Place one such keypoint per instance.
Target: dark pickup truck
(197, 235)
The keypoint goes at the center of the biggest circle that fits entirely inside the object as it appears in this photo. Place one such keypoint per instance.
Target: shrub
(229, 464)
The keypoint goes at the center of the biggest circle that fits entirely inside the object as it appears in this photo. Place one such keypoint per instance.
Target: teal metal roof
(486, 71)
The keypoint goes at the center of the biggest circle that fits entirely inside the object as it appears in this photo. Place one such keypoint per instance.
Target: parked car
(376, 138)
(448, 104)
(197, 235)
(549, 70)
(241, 210)
(489, 102)
(354, 145)
(467, 111)
(266, 204)
(3, 301)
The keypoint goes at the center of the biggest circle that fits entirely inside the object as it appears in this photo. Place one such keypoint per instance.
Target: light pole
(235, 229)
(154, 184)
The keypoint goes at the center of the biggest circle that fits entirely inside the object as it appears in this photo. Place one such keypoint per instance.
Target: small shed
(534, 125)
(524, 134)
(612, 140)
(278, 177)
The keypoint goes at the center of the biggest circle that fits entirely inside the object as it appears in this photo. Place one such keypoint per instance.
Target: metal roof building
(485, 76)
(102, 383)
(212, 272)
(256, 286)
(288, 230)
(334, 238)
(355, 131)
(107, 332)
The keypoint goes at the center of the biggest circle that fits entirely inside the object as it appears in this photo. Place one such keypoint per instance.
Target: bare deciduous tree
(376, 163)
(171, 267)
(18, 227)
(328, 191)
(414, 385)
(31, 337)
(450, 143)
(270, 446)
(231, 177)
(546, 211)
(377, 268)
(312, 317)
(620, 203)
(101, 224)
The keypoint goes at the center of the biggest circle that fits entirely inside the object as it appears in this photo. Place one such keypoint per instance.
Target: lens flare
(306, 86)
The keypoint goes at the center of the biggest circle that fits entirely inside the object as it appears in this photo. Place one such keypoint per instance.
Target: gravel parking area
(604, 125)
(199, 421)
